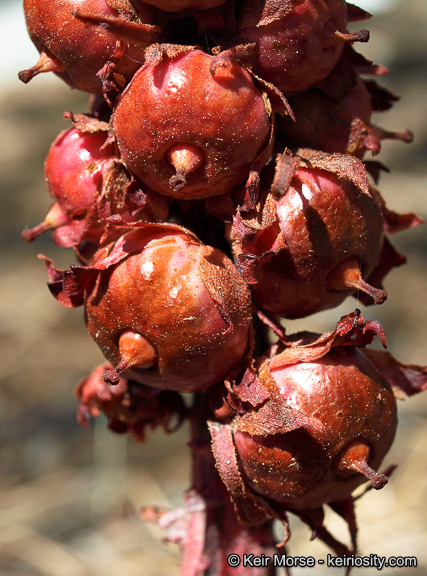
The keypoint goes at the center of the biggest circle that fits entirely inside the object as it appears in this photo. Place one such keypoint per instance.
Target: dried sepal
(207, 528)
(85, 123)
(130, 407)
(361, 64)
(266, 12)
(247, 508)
(244, 54)
(133, 32)
(156, 53)
(395, 222)
(356, 14)
(344, 166)
(405, 379)
(351, 330)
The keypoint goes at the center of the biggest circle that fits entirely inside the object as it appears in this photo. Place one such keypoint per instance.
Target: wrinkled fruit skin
(80, 50)
(351, 399)
(187, 99)
(300, 49)
(175, 311)
(325, 222)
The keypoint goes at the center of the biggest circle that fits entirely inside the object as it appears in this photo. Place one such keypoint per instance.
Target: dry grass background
(69, 498)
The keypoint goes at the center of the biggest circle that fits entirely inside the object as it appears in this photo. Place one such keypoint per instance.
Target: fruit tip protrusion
(55, 218)
(185, 158)
(354, 459)
(111, 377)
(44, 64)
(348, 276)
(406, 136)
(135, 351)
(361, 35)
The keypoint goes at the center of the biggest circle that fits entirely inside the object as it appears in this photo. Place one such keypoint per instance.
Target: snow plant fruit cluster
(220, 182)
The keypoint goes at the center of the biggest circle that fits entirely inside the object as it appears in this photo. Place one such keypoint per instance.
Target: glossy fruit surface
(317, 238)
(163, 307)
(76, 50)
(352, 402)
(296, 44)
(206, 107)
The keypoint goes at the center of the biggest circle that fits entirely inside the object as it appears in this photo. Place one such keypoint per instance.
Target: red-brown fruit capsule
(180, 5)
(317, 236)
(311, 466)
(76, 172)
(318, 239)
(165, 309)
(190, 125)
(340, 122)
(75, 42)
(308, 423)
(90, 184)
(297, 43)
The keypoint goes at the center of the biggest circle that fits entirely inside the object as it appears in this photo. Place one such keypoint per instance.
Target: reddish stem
(207, 553)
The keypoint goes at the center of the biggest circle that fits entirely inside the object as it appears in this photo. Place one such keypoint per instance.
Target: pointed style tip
(348, 276)
(185, 158)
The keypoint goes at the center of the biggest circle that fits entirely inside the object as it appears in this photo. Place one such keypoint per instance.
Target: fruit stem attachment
(347, 276)
(185, 158)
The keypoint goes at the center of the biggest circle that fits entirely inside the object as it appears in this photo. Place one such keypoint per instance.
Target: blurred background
(70, 498)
